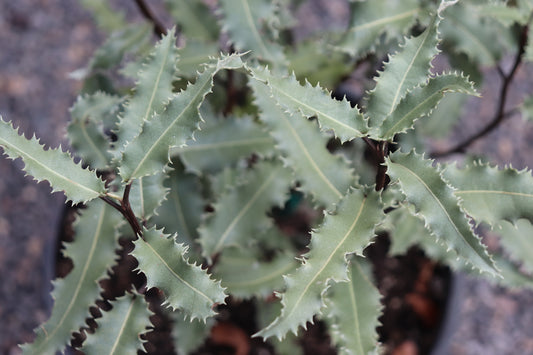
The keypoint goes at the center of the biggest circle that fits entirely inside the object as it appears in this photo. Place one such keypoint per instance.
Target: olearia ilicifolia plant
(228, 117)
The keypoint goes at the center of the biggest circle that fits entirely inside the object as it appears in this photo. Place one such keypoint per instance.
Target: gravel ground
(41, 42)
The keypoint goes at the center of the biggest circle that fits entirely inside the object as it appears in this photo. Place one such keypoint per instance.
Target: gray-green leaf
(436, 203)
(53, 165)
(186, 286)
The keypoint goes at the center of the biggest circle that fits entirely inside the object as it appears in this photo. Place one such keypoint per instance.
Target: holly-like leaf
(249, 26)
(53, 165)
(222, 143)
(241, 212)
(245, 275)
(152, 90)
(186, 286)
(148, 153)
(119, 329)
(421, 101)
(346, 122)
(436, 203)
(86, 130)
(348, 231)
(99, 107)
(405, 70)
(353, 310)
(325, 177)
(371, 19)
(93, 253)
(490, 195)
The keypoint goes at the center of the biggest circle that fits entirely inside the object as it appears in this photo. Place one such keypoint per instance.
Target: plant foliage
(217, 143)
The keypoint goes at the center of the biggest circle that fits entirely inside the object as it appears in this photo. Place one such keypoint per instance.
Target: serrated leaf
(53, 165)
(325, 177)
(222, 143)
(91, 114)
(348, 231)
(435, 201)
(241, 213)
(194, 19)
(472, 34)
(346, 122)
(188, 335)
(244, 275)
(186, 286)
(152, 90)
(490, 195)
(98, 107)
(247, 24)
(120, 328)
(517, 239)
(405, 70)
(182, 210)
(148, 153)
(93, 253)
(407, 230)
(353, 310)
(421, 101)
(371, 19)
(147, 194)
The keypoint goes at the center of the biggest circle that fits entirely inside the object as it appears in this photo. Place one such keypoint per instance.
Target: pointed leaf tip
(53, 165)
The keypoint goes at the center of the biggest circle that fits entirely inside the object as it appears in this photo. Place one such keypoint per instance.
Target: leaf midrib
(169, 268)
(328, 260)
(90, 255)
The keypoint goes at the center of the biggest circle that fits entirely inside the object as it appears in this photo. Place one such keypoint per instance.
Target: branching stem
(380, 150)
(125, 209)
(500, 115)
(159, 28)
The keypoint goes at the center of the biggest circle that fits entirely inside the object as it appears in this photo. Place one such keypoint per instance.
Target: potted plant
(199, 163)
